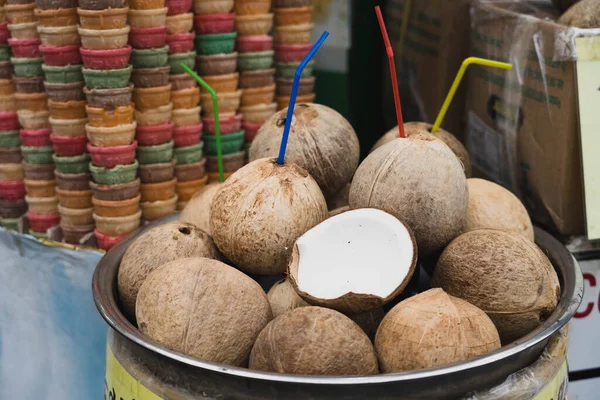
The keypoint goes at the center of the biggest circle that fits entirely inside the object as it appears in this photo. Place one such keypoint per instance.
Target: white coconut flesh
(363, 251)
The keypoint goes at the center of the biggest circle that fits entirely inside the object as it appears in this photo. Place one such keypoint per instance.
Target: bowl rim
(105, 297)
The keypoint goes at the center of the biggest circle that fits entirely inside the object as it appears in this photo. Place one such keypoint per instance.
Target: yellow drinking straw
(461, 72)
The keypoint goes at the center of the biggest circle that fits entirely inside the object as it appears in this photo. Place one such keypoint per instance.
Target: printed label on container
(584, 352)
(120, 385)
(557, 389)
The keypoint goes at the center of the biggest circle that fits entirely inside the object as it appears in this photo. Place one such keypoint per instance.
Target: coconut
(261, 210)
(369, 321)
(421, 182)
(492, 206)
(353, 262)
(563, 5)
(583, 14)
(337, 211)
(197, 210)
(412, 128)
(283, 298)
(433, 329)
(321, 141)
(314, 341)
(203, 308)
(154, 248)
(340, 199)
(504, 274)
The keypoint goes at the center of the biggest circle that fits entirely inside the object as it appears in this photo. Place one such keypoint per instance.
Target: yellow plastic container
(59, 35)
(11, 172)
(117, 226)
(154, 116)
(213, 6)
(42, 205)
(40, 188)
(118, 135)
(111, 18)
(185, 98)
(98, 39)
(186, 116)
(76, 216)
(255, 24)
(293, 34)
(258, 113)
(181, 23)
(34, 119)
(157, 209)
(227, 102)
(68, 127)
(148, 18)
(108, 118)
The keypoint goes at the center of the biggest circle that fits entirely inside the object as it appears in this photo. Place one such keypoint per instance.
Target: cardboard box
(522, 124)
(428, 59)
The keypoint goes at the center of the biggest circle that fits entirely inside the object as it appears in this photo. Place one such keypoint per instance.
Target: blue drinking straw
(290, 112)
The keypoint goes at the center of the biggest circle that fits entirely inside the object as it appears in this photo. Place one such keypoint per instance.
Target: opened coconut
(412, 128)
(261, 210)
(492, 206)
(203, 308)
(353, 262)
(320, 140)
(154, 248)
(433, 329)
(314, 341)
(421, 182)
(504, 274)
(283, 298)
(197, 210)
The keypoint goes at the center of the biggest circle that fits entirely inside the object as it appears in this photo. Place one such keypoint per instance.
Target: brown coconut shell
(340, 199)
(203, 308)
(321, 141)
(283, 298)
(504, 274)
(261, 210)
(433, 329)
(493, 207)
(412, 128)
(563, 5)
(154, 248)
(197, 210)
(583, 14)
(314, 341)
(369, 321)
(419, 181)
(350, 303)
(337, 211)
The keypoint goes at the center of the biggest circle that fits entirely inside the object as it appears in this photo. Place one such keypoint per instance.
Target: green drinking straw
(213, 94)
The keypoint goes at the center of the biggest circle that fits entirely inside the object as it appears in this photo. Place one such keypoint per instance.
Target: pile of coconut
(353, 298)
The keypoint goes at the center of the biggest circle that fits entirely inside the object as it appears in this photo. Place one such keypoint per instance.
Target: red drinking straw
(390, 54)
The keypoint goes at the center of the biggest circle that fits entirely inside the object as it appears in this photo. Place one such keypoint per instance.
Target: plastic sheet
(522, 125)
(546, 378)
(52, 339)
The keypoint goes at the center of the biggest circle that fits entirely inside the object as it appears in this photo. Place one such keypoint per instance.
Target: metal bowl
(205, 379)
